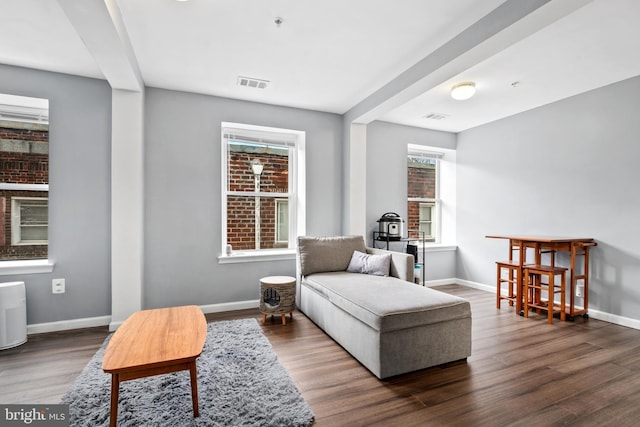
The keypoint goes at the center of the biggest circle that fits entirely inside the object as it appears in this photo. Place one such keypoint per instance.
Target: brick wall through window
(421, 183)
(24, 159)
(241, 209)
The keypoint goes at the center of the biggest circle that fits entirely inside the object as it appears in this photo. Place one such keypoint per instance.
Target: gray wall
(570, 169)
(387, 181)
(79, 194)
(182, 194)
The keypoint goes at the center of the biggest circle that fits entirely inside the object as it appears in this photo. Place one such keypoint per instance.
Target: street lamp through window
(263, 187)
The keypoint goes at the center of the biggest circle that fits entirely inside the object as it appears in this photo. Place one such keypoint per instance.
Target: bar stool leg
(550, 297)
(498, 286)
(563, 292)
(512, 281)
(525, 278)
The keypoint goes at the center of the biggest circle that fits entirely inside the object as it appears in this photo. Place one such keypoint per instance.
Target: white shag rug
(240, 383)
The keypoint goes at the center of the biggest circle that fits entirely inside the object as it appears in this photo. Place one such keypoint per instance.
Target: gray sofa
(387, 323)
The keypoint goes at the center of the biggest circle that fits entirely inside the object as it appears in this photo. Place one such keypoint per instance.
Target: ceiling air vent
(251, 82)
(436, 116)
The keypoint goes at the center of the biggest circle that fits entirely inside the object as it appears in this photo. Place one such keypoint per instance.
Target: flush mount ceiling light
(463, 91)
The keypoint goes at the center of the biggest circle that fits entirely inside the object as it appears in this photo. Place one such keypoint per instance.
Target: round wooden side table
(277, 296)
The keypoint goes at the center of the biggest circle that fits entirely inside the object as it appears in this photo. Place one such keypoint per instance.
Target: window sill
(35, 266)
(438, 247)
(257, 256)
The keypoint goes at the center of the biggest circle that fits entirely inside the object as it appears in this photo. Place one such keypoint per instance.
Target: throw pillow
(378, 265)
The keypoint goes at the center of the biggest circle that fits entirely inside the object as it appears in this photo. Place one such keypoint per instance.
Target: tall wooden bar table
(575, 246)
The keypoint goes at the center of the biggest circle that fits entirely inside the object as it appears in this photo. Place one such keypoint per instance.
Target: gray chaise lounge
(389, 324)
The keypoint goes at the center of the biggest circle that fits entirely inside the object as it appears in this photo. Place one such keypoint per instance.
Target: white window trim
(31, 266)
(23, 187)
(16, 223)
(432, 208)
(297, 210)
(418, 150)
(255, 256)
(278, 202)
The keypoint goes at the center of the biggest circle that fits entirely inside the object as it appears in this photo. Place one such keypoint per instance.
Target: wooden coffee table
(154, 342)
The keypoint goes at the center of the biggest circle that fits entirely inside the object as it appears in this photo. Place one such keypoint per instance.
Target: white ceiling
(335, 55)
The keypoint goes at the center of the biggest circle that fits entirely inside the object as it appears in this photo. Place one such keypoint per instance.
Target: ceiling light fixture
(463, 91)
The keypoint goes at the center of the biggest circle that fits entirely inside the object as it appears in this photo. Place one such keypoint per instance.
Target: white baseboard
(613, 318)
(212, 308)
(91, 322)
(595, 314)
(64, 325)
(230, 306)
(475, 285)
(440, 282)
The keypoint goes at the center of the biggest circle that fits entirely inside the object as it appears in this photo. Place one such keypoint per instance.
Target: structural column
(356, 199)
(127, 208)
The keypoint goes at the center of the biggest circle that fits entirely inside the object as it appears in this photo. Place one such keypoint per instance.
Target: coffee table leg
(194, 389)
(115, 389)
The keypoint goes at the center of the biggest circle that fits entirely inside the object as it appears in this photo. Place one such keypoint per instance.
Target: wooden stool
(511, 280)
(277, 296)
(534, 287)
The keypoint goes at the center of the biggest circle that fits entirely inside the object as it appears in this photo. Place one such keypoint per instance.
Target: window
(423, 180)
(263, 187)
(426, 219)
(29, 221)
(24, 178)
(282, 221)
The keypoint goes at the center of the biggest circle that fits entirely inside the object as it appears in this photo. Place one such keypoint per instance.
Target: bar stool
(534, 287)
(511, 279)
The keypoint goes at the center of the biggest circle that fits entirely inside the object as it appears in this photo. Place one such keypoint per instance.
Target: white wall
(569, 169)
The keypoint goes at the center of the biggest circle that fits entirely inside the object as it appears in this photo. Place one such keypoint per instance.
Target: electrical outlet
(580, 288)
(57, 286)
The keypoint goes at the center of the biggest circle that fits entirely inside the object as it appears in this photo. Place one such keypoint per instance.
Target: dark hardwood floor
(522, 372)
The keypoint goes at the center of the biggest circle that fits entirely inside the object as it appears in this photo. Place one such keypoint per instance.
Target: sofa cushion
(386, 303)
(369, 264)
(318, 254)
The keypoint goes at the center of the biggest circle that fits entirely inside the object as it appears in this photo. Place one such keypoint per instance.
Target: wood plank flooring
(522, 372)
